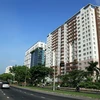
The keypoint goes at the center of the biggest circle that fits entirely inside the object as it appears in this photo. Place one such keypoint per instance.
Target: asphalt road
(20, 94)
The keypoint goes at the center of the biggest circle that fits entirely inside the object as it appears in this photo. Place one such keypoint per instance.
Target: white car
(5, 85)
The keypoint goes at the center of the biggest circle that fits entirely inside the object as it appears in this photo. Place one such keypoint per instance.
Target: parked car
(5, 85)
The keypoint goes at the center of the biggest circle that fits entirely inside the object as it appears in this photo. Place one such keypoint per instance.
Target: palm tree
(93, 68)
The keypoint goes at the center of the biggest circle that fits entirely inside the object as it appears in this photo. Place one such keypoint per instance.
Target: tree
(38, 73)
(73, 78)
(93, 68)
(21, 73)
(6, 76)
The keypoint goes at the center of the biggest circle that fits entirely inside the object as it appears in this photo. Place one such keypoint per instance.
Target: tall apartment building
(76, 42)
(35, 55)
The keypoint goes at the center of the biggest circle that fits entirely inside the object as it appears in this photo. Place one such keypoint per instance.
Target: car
(5, 85)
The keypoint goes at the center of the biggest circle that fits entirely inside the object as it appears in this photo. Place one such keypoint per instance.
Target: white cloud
(97, 2)
(13, 61)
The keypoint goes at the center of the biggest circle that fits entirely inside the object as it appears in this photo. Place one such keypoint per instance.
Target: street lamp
(54, 64)
(54, 80)
(25, 74)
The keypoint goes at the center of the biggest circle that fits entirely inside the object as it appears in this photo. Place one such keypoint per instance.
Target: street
(20, 94)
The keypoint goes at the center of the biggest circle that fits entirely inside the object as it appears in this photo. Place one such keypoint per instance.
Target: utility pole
(54, 64)
(54, 80)
(25, 75)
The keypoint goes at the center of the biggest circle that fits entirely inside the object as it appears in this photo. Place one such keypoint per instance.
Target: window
(79, 35)
(83, 49)
(84, 53)
(82, 21)
(83, 33)
(79, 39)
(82, 18)
(79, 55)
(78, 31)
(87, 44)
(79, 50)
(78, 20)
(79, 47)
(83, 45)
(79, 42)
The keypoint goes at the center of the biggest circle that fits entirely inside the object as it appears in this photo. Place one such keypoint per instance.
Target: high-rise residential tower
(76, 42)
(35, 55)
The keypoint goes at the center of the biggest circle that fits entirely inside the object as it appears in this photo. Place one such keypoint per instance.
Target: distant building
(8, 69)
(35, 55)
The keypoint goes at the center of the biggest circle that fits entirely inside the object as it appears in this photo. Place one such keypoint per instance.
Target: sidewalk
(56, 93)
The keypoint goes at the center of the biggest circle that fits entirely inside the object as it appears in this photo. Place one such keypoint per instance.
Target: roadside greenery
(88, 78)
(6, 77)
(22, 75)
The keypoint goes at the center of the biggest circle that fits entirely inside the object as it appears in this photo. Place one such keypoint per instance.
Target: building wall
(76, 42)
(35, 55)
(8, 69)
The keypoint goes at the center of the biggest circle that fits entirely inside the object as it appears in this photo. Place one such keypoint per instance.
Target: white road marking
(43, 97)
(7, 97)
(4, 94)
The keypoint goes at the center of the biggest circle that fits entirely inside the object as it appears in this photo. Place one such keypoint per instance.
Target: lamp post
(54, 80)
(25, 75)
(54, 63)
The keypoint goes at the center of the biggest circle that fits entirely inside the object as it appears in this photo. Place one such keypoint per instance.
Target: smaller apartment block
(35, 55)
(76, 42)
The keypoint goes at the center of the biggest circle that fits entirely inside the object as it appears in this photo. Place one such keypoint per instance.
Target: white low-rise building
(8, 69)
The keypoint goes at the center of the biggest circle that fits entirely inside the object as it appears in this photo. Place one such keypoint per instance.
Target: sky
(24, 22)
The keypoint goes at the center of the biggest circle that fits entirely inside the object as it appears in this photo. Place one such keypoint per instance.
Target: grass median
(70, 93)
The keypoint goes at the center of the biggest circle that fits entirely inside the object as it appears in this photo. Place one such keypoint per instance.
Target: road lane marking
(7, 97)
(43, 97)
(4, 94)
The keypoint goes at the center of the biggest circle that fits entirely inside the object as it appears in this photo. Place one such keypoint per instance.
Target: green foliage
(20, 73)
(38, 73)
(73, 78)
(93, 68)
(6, 76)
(90, 85)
